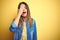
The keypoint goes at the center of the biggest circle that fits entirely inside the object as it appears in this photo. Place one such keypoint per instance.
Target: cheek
(26, 10)
(26, 14)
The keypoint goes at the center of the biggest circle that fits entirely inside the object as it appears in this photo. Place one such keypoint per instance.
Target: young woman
(23, 26)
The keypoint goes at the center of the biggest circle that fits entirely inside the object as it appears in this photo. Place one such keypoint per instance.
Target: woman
(23, 26)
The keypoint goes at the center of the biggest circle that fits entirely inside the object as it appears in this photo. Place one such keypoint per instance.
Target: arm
(13, 27)
(35, 32)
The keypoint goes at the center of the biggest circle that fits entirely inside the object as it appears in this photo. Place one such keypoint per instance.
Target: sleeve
(35, 31)
(13, 27)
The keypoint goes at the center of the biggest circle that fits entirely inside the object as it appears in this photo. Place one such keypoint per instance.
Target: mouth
(24, 12)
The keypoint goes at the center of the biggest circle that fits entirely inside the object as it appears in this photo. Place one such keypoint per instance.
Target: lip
(24, 12)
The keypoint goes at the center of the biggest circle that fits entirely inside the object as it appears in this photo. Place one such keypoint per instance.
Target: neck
(24, 18)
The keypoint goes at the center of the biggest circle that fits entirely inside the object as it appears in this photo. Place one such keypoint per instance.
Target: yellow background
(45, 12)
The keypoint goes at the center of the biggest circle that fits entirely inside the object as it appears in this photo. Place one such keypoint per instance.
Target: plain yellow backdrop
(45, 12)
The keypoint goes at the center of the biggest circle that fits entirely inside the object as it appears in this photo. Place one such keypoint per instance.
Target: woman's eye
(25, 7)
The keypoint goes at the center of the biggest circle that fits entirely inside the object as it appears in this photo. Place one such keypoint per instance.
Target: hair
(29, 19)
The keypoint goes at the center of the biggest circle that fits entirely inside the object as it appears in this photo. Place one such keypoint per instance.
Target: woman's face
(24, 10)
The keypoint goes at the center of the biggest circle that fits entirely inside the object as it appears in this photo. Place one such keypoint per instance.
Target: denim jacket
(31, 32)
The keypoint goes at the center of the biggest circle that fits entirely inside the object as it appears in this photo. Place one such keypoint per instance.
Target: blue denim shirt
(31, 32)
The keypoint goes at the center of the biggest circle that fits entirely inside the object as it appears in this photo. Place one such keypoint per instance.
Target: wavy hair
(29, 19)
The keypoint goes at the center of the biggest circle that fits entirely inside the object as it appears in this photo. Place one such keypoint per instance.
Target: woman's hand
(20, 11)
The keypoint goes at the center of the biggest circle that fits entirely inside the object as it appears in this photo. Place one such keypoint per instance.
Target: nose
(23, 9)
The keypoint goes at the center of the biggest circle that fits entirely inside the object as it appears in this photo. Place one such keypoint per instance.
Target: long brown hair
(30, 20)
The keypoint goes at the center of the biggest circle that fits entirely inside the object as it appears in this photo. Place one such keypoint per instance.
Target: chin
(24, 16)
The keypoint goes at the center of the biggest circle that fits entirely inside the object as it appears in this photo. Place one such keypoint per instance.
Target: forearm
(17, 19)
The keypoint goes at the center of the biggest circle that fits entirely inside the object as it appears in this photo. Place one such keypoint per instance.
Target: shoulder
(34, 21)
(34, 24)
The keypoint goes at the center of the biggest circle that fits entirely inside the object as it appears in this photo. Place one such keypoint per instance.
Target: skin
(20, 12)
